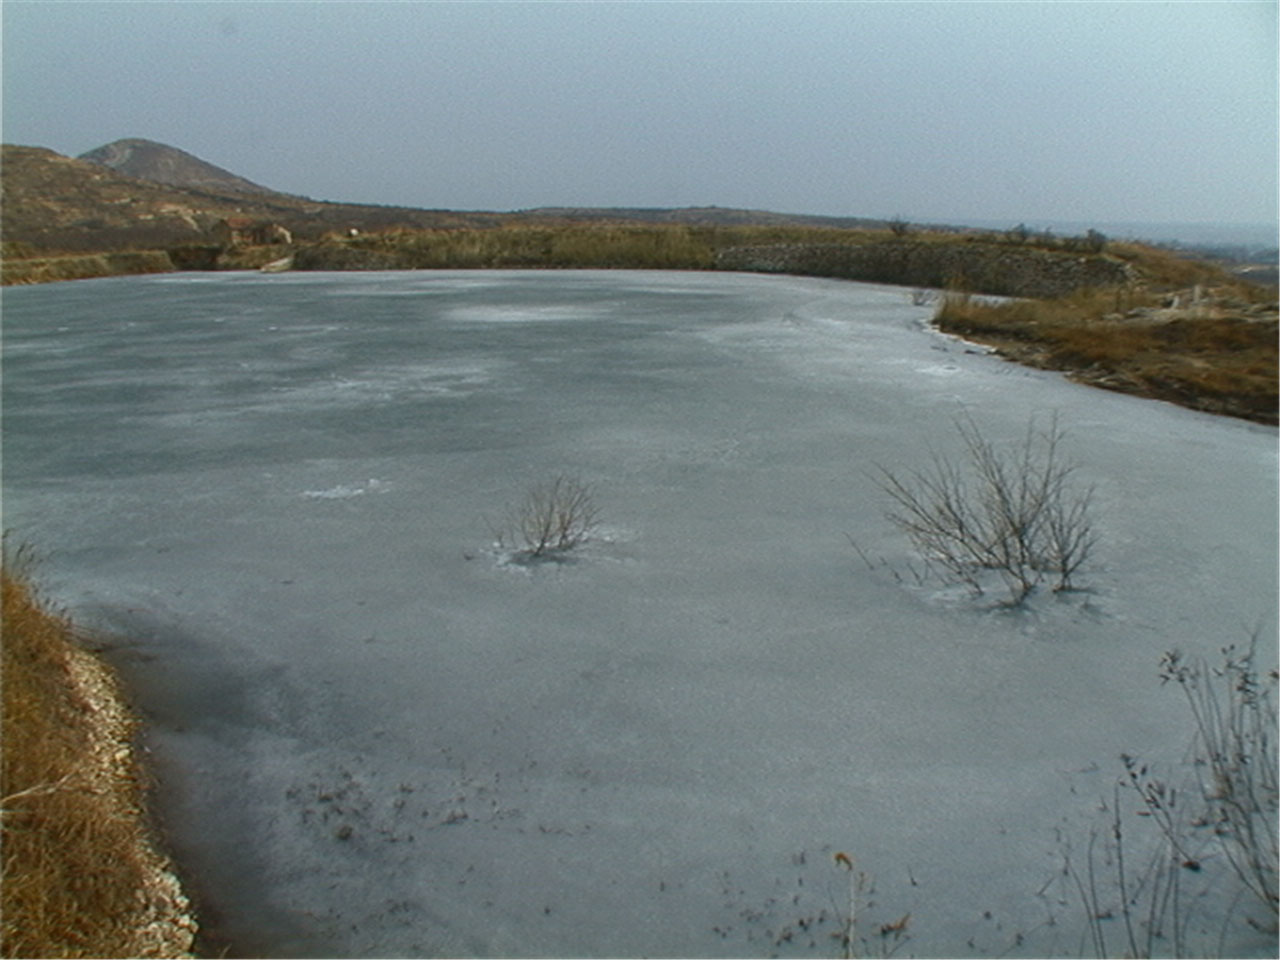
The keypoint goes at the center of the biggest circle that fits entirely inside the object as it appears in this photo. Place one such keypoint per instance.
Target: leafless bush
(1145, 886)
(898, 227)
(1014, 512)
(1018, 235)
(881, 940)
(923, 297)
(1235, 720)
(554, 516)
(1181, 856)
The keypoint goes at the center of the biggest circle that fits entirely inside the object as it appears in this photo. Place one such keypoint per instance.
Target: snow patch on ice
(346, 491)
(938, 369)
(607, 544)
(526, 313)
(395, 285)
(388, 384)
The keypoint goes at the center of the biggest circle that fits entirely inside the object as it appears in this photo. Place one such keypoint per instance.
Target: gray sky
(956, 111)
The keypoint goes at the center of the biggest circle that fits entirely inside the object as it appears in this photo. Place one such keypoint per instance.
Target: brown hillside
(54, 203)
(138, 194)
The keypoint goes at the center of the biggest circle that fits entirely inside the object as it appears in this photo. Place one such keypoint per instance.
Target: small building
(247, 232)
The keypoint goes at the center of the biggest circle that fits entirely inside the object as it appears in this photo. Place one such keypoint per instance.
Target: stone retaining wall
(977, 267)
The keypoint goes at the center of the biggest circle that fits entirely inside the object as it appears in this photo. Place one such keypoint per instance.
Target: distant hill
(160, 163)
(705, 217)
(139, 194)
(135, 193)
(54, 203)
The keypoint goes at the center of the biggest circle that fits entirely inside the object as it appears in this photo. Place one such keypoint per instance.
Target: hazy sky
(951, 111)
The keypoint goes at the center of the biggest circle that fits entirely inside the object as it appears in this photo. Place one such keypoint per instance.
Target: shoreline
(1023, 347)
(78, 801)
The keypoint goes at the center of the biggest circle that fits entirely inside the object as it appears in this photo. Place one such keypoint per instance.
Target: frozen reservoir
(374, 736)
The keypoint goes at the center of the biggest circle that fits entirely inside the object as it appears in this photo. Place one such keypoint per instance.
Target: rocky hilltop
(160, 163)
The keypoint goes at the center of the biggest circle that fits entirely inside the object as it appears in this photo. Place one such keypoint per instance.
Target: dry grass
(1170, 270)
(81, 877)
(600, 244)
(83, 266)
(1188, 860)
(1215, 351)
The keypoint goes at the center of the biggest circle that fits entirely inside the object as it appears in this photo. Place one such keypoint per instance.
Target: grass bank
(1211, 349)
(82, 876)
(83, 267)
(588, 246)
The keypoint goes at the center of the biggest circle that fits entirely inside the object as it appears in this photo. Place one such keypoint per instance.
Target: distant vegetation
(640, 247)
(84, 266)
(920, 257)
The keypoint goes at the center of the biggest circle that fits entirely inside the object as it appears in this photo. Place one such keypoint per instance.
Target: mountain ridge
(134, 193)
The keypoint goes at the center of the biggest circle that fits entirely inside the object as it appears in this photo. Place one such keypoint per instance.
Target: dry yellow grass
(81, 875)
(1213, 350)
(83, 266)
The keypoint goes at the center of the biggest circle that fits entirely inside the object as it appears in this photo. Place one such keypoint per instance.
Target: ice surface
(375, 736)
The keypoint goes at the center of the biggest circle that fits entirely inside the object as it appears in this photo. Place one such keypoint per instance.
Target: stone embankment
(975, 266)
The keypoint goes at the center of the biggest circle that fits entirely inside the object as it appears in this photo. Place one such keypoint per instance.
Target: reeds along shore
(82, 876)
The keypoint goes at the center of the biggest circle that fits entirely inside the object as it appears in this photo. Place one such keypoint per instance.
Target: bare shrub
(881, 940)
(554, 517)
(899, 227)
(1235, 722)
(1014, 512)
(1181, 856)
(1018, 235)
